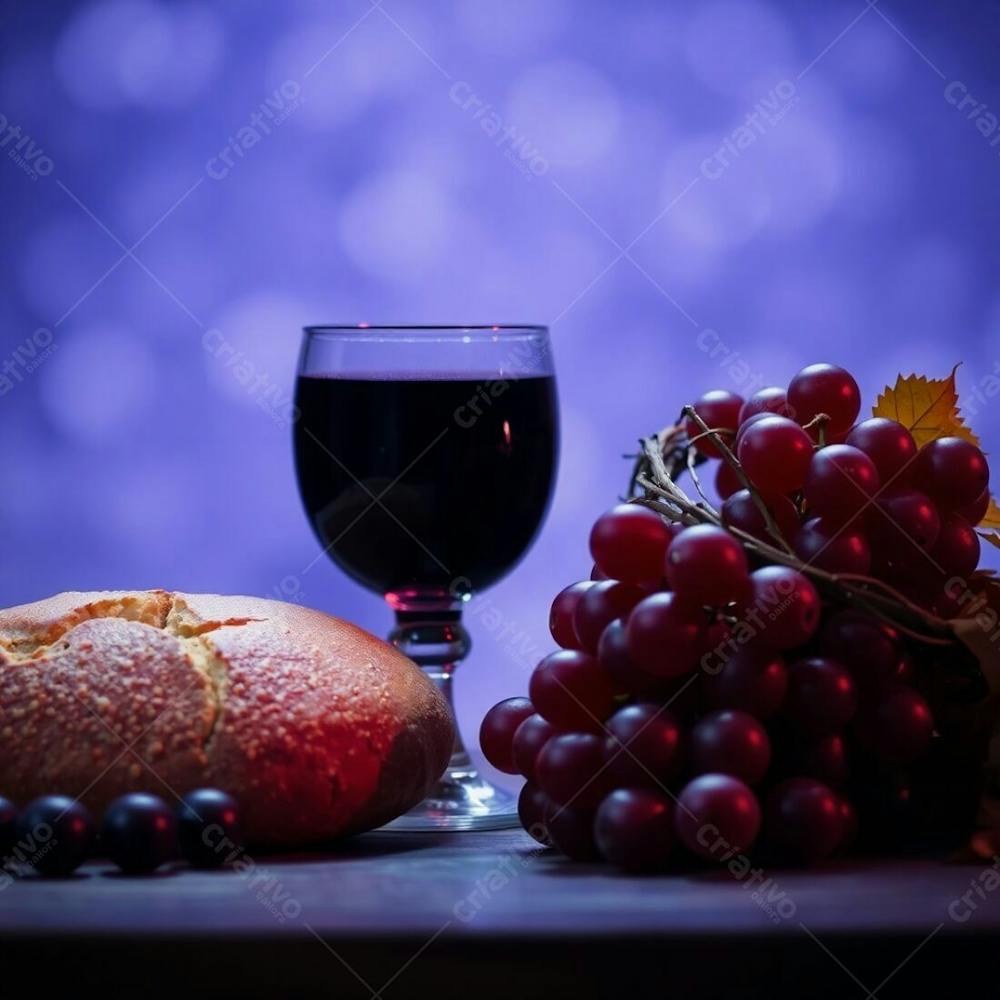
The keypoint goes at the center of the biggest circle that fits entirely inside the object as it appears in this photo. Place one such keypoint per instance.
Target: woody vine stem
(666, 455)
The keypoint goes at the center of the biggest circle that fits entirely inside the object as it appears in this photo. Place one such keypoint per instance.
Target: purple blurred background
(691, 195)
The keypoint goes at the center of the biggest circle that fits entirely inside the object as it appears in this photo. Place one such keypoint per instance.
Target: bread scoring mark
(206, 661)
(157, 608)
(192, 631)
(183, 622)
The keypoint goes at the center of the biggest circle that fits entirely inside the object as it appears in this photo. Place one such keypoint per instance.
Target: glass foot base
(462, 800)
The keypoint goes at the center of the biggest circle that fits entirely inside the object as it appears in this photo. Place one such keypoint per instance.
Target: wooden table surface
(491, 914)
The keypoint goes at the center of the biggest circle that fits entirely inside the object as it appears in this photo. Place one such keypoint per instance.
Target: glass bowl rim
(459, 331)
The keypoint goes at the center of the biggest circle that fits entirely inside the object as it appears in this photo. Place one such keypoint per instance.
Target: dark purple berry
(139, 833)
(209, 827)
(54, 835)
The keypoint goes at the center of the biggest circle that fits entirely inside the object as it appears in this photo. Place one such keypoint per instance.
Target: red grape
(869, 648)
(715, 637)
(597, 574)
(825, 389)
(951, 471)
(600, 605)
(612, 652)
(804, 817)
(561, 614)
(889, 445)
(771, 399)
(727, 482)
(748, 423)
(841, 481)
(643, 746)
(949, 603)
(956, 551)
(836, 550)
(718, 647)
(717, 816)
(571, 690)
(976, 511)
(570, 769)
(900, 726)
(664, 636)
(719, 409)
(707, 565)
(740, 511)
(821, 697)
(784, 608)
(730, 742)
(749, 680)
(496, 734)
(571, 830)
(634, 829)
(903, 522)
(775, 453)
(629, 543)
(529, 738)
(532, 809)
(826, 759)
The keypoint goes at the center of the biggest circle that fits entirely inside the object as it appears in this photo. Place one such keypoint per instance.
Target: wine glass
(426, 457)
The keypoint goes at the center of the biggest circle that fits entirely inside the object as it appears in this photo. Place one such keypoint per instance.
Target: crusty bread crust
(317, 727)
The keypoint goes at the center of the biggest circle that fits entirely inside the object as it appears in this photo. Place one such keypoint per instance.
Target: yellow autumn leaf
(991, 519)
(927, 407)
(989, 526)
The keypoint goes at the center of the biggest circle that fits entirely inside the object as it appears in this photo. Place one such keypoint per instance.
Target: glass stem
(441, 676)
(437, 642)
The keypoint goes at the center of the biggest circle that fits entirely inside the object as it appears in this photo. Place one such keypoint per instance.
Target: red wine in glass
(426, 458)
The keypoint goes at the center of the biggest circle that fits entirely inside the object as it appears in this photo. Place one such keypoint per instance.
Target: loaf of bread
(318, 728)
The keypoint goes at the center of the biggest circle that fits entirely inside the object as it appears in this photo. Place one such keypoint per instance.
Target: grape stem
(819, 422)
(709, 432)
(733, 462)
(693, 473)
(664, 485)
(667, 454)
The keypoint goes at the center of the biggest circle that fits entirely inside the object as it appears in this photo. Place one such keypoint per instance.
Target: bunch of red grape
(705, 698)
